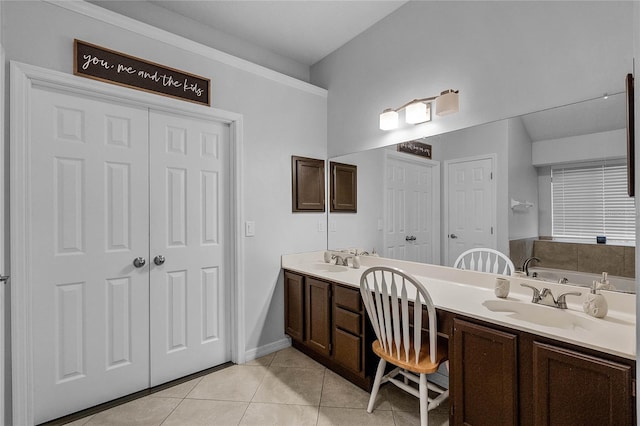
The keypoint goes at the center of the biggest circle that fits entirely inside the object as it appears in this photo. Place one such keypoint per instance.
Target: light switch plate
(249, 228)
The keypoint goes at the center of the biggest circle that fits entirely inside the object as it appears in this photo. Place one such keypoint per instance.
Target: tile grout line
(324, 376)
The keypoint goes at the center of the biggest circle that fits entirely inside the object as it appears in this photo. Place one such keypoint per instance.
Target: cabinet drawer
(347, 298)
(348, 321)
(348, 350)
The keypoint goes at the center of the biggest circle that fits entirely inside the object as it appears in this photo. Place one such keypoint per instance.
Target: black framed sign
(416, 148)
(99, 63)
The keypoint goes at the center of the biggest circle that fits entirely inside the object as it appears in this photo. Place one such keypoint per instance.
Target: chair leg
(376, 384)
(424, 413)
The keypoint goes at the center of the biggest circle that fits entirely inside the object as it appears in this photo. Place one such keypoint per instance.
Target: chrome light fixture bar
(419, 110)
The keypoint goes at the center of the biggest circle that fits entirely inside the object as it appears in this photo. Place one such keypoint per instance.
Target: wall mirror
(514, 158)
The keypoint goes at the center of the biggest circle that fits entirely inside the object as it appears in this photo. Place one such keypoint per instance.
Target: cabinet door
(318, 298)
(344, 187)
(307, 184)
(571, 388)
(484, 375)
(294, 306)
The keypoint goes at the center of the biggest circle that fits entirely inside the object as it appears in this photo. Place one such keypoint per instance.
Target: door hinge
(633, 387)
(490, 175)
(330, 347)
(492, 230)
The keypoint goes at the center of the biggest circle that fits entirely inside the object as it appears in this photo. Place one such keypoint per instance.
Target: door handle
(453, 236)
(411, 238)
(139, 262)
(159, 260)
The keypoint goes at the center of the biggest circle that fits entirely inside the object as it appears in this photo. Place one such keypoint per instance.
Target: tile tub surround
(583, 257)
(222, 398)
(463, 292)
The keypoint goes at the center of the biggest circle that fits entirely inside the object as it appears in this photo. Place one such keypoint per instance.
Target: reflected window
(591, 200)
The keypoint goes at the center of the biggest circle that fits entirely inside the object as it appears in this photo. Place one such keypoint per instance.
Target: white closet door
(189, 195)
(89, 220)
(471, 206)
(410, 222)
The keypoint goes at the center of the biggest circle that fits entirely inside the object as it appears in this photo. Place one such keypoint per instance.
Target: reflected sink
(329, 267)
(538, 314)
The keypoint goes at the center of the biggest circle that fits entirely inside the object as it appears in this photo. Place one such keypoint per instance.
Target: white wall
(280, 120)
(506, 58)
(160, 17)
(583, 148)
(360, 230)
(523, 182)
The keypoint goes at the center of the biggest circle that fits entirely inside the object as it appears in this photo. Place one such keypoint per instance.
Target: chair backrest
(386, 293)
(485, 260)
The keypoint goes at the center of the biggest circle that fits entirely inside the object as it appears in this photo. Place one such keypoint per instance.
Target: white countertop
(463, 292)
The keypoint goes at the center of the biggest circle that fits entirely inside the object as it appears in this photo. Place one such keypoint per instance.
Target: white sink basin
(329, 267)
(539, 314)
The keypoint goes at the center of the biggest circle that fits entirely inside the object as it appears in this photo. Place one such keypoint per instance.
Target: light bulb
(388, 119)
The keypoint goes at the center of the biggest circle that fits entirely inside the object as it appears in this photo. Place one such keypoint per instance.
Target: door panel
(410, 212)
(470, 206)
(89, 220)
(188, 291)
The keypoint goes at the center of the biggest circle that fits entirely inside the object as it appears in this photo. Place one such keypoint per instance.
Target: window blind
(592, 200)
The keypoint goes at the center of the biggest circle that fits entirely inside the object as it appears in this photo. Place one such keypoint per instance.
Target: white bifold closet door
(111, 183)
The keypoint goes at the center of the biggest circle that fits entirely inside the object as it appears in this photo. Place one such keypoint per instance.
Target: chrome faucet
(545, 297)
(341, 260)
(525, 265)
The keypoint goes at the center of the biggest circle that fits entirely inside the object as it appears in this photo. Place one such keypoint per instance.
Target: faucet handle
(562, 303)
(536, 293)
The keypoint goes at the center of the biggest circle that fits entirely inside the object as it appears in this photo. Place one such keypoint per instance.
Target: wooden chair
(386, 293)
(485, 260)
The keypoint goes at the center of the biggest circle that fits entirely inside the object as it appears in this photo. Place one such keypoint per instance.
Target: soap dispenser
(595, 304)
(604, 283)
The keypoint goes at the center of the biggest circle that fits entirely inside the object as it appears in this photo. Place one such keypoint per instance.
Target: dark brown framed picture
(630, 136)
(343, 183)
(307, 184)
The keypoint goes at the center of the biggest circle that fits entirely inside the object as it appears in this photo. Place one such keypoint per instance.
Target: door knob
(139, 262)
(453, 236)
(158, 260)
(411, 238)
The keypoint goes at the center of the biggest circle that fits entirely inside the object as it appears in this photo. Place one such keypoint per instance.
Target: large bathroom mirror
(411, 207)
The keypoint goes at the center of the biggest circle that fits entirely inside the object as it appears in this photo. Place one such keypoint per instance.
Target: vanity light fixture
(419, 110)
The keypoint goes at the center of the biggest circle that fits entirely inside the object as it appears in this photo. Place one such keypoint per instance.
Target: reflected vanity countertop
(471, 293)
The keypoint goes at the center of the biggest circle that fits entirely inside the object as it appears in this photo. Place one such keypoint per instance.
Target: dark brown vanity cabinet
(572, 388)
(307, 311)
(294, 305)
(327, 322)
(498, 375)
(348, 329)
(507, 377)
(317, 315)
(486, 375)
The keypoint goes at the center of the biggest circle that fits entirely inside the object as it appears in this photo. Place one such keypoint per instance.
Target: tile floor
(283, 388)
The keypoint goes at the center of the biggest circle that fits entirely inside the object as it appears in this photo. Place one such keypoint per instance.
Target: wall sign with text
(106, 65)
(415, 148)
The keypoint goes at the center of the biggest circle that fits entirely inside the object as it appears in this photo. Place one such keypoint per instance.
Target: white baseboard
(252, 354)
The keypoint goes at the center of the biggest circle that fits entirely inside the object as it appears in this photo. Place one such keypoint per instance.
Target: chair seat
(424, 365)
